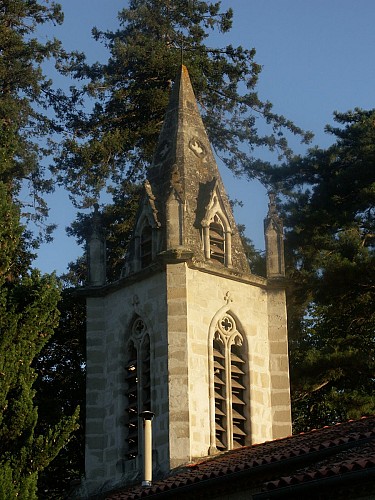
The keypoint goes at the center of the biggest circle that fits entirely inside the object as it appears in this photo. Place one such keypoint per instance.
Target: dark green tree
(329, 214)
(28, 315)
(115, 141)
(112, 145)
(60, 387)
(28, 301)
(27, 101)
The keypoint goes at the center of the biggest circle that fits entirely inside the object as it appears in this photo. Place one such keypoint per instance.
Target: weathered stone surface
(180, 299)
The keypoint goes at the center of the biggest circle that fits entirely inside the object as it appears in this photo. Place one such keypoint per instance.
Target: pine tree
(28, 300)
(111, 146)
(115, 142)
(28, 315)
(331, 248)
(27, 101)
(60, 387)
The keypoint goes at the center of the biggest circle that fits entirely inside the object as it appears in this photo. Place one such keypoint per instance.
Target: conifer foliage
(116, 141)
(28, 315)
(330, 218)
(28, 300)
(25, 95)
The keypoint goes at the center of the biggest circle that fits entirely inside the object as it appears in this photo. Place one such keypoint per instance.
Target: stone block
(94, 427)
(95, 369)
(177, 342)
(279, 347)
(95, 341)
(177, 308)
(281, 416)
(97, 383)
(281, 430)
(177, 324)
(180, 417)
(281, 398)
(279, 363)
(96, 356)
(92, 397)
(111, 455)
(259, 361)
(177, 293)
(95, 412)
(257, 397)
(96, 325)
(95, 474)
(280, 382)
(264, 380)
(94, 442)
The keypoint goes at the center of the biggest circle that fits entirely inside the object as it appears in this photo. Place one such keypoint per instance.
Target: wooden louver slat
(219, 396)
(237, 431)
(237, 415)
(218, 354)
(236, 400)
(235, 358)
(218, 366)
(237, 370)
(236, 384)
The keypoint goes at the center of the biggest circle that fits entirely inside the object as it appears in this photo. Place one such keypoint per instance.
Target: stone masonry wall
(279, 364)
(180, 307)
(209, 297)
(109, 319)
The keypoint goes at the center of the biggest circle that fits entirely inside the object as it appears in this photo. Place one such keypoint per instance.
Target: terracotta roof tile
(337, 450)
(359, 458)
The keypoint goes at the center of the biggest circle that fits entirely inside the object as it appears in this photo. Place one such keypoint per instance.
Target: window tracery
(217, 231)
(217, 240)
(229, 368)
(138, 384)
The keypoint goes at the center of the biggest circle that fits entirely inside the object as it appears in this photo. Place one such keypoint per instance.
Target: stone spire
(184, 189)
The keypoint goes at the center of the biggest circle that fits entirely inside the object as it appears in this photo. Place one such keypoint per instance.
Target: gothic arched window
(217, 240)
(229, 369)
(146, 246)
(132, 403)
(138, 384)
(216, 229)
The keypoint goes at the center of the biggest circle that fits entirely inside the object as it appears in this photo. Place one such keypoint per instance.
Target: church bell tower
(187, 332)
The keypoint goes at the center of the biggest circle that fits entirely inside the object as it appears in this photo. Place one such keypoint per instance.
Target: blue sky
(317, 55)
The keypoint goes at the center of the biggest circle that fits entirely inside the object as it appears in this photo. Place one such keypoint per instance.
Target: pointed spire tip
(184, 71)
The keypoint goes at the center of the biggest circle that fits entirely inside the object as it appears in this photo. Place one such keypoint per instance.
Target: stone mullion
(228, 395)
(228, 248)
(206, 241)
(213, 447)
(139, 397)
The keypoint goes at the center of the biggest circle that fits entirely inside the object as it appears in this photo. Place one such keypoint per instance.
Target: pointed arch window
(132, 401)
(217, 240)
(138, 384)
(146, 246)
(229, 387)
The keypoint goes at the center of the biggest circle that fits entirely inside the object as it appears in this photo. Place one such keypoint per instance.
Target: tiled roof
(319, 455)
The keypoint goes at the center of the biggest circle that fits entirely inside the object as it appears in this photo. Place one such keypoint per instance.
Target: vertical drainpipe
(147, 451)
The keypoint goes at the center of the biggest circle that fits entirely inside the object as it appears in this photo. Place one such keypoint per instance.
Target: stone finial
(96, 251)
(274, 237)
(271, 202)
